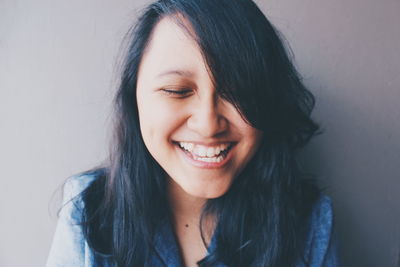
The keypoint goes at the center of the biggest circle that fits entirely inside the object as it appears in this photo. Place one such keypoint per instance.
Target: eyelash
(177, 93)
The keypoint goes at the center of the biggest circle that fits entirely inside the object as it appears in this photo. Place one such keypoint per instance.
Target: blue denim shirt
(69, 248)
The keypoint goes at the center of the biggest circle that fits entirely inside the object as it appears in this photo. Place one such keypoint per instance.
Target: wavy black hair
(263, 217)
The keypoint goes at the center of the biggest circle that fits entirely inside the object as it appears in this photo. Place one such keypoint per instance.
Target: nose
(207, 117)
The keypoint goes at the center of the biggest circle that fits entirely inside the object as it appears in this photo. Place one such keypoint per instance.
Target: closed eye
(177, 93)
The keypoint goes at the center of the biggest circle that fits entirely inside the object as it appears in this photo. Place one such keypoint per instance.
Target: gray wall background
(57, 78)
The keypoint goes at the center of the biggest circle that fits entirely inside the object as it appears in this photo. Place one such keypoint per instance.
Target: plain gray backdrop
(57, 78)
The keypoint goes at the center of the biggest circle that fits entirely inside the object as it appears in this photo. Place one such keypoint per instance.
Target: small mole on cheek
(186, 225)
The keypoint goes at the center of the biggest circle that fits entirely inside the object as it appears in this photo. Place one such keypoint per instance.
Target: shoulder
(72, 204)
(69, 247)
(76, 184)
(322, 213)
(321, 242)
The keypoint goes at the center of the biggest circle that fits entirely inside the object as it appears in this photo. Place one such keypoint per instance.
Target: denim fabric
(69, 248)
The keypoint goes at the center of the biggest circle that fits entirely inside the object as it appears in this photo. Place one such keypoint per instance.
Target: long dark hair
(263, 218)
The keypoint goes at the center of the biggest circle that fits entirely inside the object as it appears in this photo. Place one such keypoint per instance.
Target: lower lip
(203, 164)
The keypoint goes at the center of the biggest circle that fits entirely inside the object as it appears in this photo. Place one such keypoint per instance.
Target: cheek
(158, 120)
(255, 137)
(251, 138)
(254, 145)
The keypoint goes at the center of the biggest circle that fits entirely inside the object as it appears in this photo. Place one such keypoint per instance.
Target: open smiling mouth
(206, 156)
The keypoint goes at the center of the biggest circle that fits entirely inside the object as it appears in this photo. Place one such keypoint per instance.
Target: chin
(208, 191)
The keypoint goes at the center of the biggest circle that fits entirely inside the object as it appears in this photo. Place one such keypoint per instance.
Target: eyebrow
(184, 73)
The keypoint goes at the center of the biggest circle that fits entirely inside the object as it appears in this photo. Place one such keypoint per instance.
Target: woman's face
(199, 139)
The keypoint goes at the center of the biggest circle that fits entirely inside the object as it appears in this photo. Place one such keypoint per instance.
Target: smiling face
(199, 139)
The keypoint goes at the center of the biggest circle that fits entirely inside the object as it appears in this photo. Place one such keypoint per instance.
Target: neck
(186, 209)
(183, 205)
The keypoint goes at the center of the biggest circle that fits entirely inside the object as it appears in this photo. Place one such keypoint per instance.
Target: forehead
(172, 47)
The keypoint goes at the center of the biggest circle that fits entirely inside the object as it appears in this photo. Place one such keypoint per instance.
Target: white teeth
(214, 159)
(190, 146)
(204, 151)
(200, 151)
(210, 152)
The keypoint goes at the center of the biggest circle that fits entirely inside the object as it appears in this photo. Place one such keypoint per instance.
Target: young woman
(209, 115)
